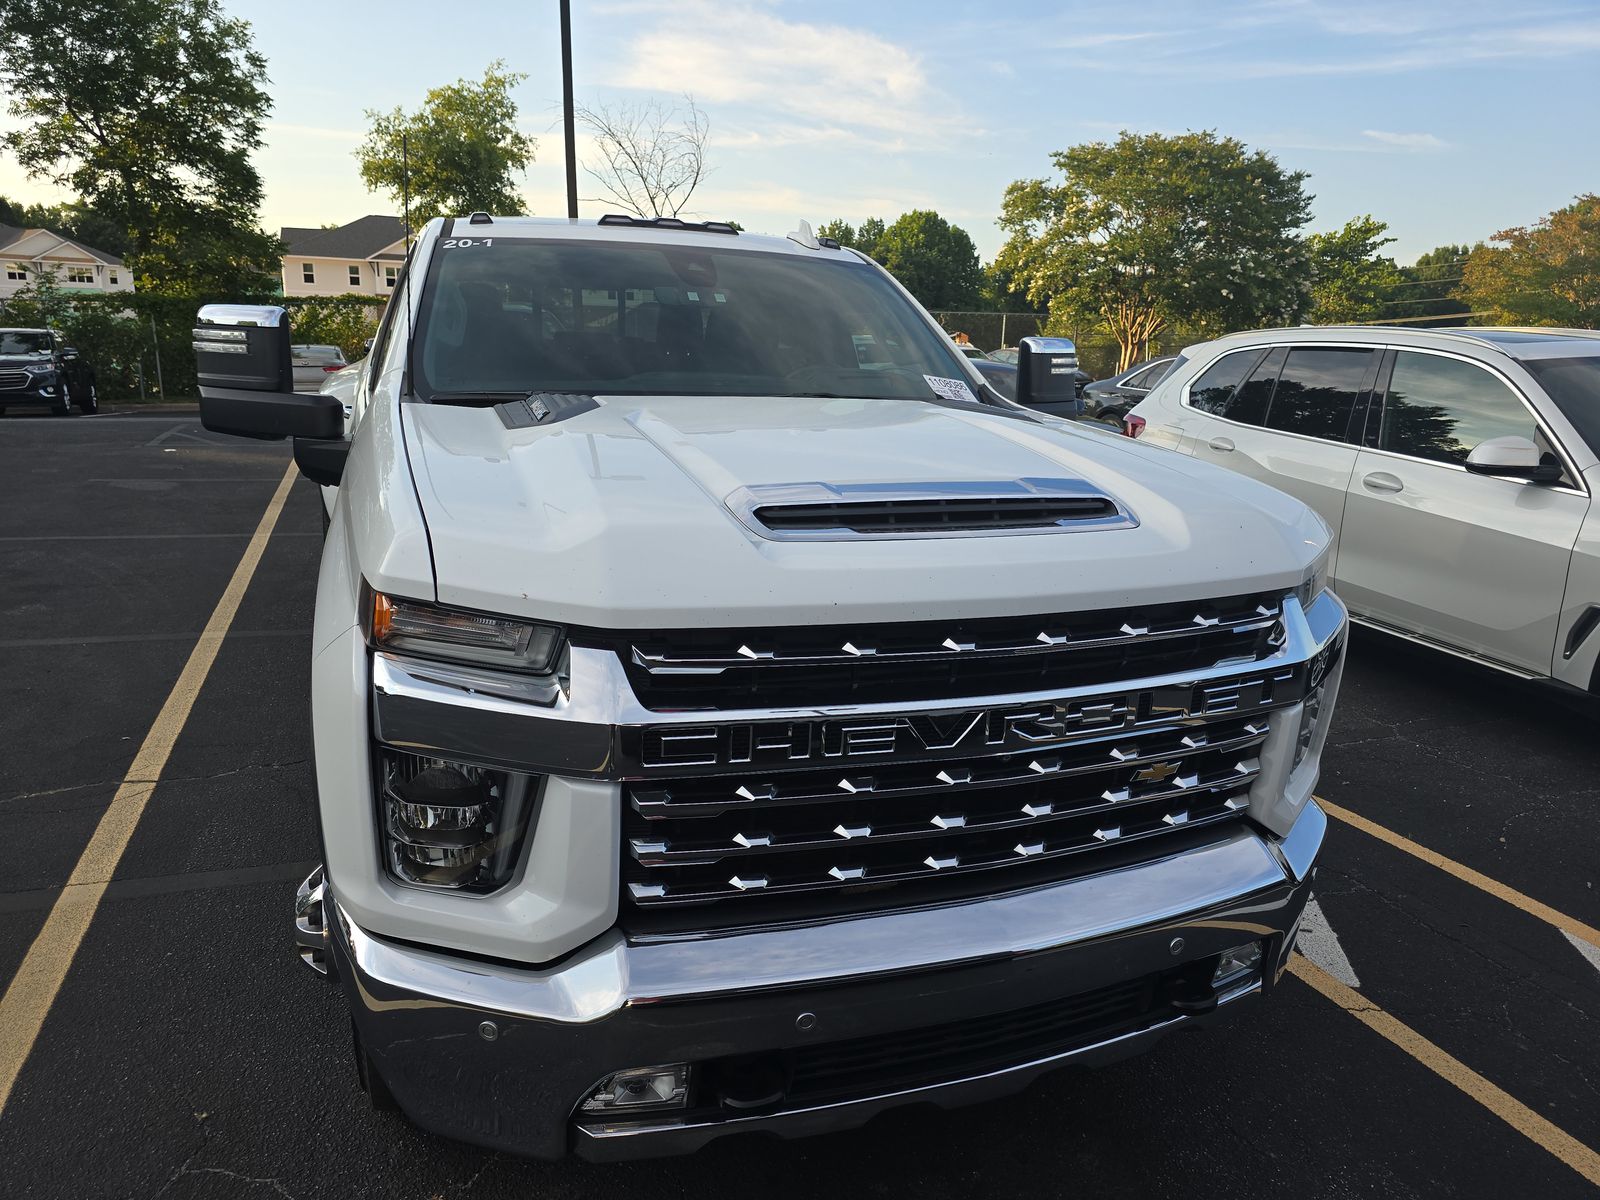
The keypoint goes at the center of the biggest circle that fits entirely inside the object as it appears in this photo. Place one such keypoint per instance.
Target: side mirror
(68, 353)
(1512, 458)
(247, 387)
(1047, 370)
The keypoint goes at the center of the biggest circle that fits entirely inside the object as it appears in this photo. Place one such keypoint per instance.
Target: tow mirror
(1047, 371)
(1512, 458)
(247, 387)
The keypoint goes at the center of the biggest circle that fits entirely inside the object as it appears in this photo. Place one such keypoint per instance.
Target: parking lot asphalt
(188, 1053)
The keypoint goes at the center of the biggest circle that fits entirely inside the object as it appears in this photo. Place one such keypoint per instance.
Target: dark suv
(37, 367)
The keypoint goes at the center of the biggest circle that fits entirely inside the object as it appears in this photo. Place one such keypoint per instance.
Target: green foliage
(1152, 229)
(110, 340)
(935, 260)
(1350, 280)
(1544, 274)
(343, 321)
(463, 148)
(1428, 288)
(147, 109)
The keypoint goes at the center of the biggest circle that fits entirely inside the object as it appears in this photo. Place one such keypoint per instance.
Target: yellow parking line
(33, 989)
(1513, 1112)
(1477, 879)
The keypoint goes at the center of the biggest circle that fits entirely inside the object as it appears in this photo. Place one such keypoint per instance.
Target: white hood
(617, 518)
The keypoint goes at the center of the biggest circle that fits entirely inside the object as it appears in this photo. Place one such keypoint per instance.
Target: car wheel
(63, 407)
(91, 402)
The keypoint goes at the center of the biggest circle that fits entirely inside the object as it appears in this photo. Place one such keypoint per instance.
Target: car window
(1317, 390)
(1142, 378)
(1251, 398)
(637, 318)
(1440, 408)
(1214, 388)
(1158, 372)
(1574, 384)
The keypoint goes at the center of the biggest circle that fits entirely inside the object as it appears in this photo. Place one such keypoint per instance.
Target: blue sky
(1447, 120)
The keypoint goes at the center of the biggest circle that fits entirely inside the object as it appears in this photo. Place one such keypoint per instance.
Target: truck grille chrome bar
(926, 660)
(700, 841)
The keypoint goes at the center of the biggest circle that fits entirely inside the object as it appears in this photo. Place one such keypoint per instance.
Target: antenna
(408, 380)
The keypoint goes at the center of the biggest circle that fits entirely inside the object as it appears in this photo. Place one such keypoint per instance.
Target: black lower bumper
(505, 1056)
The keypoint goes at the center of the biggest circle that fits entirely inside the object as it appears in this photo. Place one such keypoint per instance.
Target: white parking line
(1319, 943)
(1592, 953)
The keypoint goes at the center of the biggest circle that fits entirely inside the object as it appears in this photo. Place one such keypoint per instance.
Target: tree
(1350, 280)
(462, 148)
(76, 220)
(147, 109)
(650, 157)
(1152, 229)
(935, 260)
(1428, 287)
(865, 239)
(1544, 274)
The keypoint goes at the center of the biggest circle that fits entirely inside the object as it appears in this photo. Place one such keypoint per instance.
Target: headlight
(1315, 581)
(451, 824)
(39, 369)
(432, 631)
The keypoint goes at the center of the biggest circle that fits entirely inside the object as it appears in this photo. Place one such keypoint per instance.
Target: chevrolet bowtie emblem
(1156, 772)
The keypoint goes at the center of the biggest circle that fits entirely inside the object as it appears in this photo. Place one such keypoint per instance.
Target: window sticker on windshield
(951, 389)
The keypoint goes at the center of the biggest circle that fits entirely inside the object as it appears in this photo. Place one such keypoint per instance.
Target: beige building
(364, 257)
(25, 254)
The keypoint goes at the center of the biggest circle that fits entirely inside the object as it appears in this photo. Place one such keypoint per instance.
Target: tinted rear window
(1317, 390)
(1574, 384)
(1249, 403)
(1214, 388)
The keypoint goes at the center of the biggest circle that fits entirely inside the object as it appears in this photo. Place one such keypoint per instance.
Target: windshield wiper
(485, 398)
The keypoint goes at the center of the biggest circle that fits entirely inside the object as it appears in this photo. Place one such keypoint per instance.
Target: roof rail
(668, 223)
(1460, 335)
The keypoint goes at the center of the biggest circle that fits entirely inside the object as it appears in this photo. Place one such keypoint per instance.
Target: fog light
(1241, 960)
(641, 1087)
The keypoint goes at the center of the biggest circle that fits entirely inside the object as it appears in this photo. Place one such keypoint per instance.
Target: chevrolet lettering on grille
(950, 734)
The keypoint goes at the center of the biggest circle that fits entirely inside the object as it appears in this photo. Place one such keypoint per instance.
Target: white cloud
(833, 79)
(1405, 141)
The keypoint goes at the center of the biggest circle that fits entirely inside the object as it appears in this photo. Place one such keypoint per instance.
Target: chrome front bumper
(516, 1084)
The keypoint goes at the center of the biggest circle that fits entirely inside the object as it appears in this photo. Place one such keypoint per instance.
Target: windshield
(1574, 384)
(633, 319)
(24, 341)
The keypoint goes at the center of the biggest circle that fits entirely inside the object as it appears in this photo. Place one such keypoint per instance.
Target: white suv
(1455, 468)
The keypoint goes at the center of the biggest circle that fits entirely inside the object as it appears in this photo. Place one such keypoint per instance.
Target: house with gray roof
(364, 257)
(25, 254)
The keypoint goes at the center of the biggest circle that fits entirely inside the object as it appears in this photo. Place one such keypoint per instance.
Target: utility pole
(566, 108)
(155, 344)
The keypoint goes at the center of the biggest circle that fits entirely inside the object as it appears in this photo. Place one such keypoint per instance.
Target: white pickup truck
(731, 715)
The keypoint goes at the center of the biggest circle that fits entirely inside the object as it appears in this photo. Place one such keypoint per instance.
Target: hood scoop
(982, 508)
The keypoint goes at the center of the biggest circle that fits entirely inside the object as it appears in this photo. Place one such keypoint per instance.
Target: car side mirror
(247, 387)
(68, 353)
(1047, 371)
(1512, 458)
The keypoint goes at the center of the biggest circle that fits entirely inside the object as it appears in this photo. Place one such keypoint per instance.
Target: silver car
(313, 364)
(1455, 467)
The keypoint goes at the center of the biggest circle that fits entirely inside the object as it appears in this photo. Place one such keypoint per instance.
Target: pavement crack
(252, 1180)
(121, 780)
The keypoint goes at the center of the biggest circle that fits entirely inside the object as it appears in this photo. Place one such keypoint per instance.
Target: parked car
(312, 364)
(1111, 399)
(729, 719)
(37, 368)
(1455, 467)
(1005, 354)
(1002, 377)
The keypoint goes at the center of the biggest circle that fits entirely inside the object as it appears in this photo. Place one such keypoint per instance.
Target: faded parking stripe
(33, 989)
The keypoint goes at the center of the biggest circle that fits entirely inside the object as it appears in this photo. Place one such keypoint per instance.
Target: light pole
(566, 107)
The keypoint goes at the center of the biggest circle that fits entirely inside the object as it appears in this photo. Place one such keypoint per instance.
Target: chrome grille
(884, 832)
(929, 660)
(10, 381)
